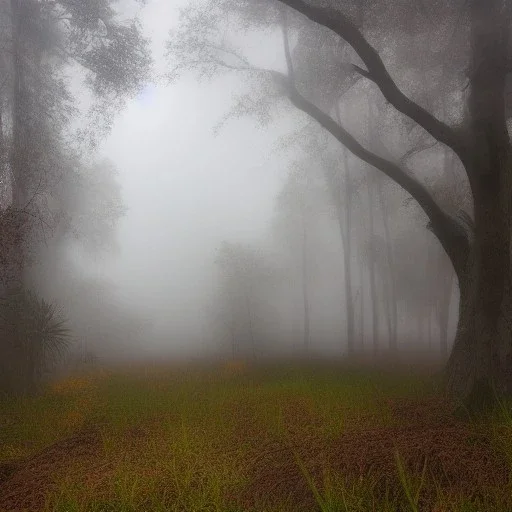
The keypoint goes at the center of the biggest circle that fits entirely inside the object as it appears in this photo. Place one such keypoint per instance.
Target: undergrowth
(235, 438)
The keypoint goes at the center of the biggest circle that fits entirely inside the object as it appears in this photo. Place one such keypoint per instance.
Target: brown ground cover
(457, 457)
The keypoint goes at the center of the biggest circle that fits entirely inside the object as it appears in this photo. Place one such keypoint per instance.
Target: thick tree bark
(480, 364)
(443, 310)
(480, 358)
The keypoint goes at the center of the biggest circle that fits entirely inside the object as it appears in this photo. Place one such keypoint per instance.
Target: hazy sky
(185, 188)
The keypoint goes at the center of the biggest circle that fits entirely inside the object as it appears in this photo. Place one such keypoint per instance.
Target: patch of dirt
(7, 469)
(460, 459)
(26, 487)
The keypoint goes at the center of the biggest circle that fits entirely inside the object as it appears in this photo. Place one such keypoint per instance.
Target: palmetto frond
(33, 327)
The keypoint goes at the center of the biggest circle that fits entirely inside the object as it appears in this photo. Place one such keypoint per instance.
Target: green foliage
(34, 333)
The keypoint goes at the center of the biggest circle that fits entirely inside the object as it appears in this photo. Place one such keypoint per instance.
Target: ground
(233, 437)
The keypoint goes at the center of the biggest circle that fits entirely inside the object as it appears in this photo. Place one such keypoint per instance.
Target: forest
(255, 255)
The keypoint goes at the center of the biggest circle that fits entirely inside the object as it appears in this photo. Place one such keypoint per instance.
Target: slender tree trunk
(249, 320)
(371, 267)
(391, 267)
(391, 316)
(361, 305)
(233, 340)
(419, 324)
(347, 259)
(429, 329)
(343, 207)
(305, 285)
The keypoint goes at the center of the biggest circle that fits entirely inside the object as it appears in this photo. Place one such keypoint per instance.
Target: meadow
(235, 437)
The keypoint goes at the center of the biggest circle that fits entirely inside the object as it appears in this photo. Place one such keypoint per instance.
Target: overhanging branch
(450, 233)
(377, 72)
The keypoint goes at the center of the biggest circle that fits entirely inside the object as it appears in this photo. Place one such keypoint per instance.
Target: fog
(186, 190)
(234, 238)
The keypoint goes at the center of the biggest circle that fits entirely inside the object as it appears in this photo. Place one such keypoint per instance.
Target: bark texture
(479, 365)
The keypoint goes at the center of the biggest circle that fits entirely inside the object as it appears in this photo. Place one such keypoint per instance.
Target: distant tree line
(426, 92)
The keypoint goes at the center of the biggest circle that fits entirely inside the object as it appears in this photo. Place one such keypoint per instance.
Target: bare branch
(363, 72)
(416, 150)
(450, 233)
(377, 72)
(286, 44)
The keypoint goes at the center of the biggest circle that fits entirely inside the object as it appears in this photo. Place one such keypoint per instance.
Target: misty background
(226, 238)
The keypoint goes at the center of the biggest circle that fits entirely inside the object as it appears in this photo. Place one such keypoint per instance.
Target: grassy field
(231, 437)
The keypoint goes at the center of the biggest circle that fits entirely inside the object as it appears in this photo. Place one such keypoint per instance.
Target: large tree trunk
(444, 298)
(443, 314)
(15, 364)
(481, 357)
(445, 272)
(480, 363)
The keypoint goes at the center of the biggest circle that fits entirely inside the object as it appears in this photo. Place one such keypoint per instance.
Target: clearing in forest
(231, 437)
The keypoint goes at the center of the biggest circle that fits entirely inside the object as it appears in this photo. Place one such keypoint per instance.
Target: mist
(255, 255)
(236, 184)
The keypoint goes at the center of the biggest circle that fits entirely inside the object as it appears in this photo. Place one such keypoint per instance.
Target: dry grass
(231, 437)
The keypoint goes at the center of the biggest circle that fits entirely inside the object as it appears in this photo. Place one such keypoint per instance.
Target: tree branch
(415, 150)
(450, 233)
(286, 44)
(377, 72)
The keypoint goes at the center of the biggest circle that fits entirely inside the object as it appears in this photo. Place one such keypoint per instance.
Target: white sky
(186, 190)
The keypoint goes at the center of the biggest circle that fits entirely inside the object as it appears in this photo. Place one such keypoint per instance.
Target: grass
(231, 437)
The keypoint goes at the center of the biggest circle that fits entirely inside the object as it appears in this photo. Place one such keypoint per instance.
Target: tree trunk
(445, 275)
(233, 340)
(361, 305)
(480, 361)
(249, 320)
(344, 218)
(444, 299)
(348, 257)
(18, 110)
(429, 329)
(391, 266)
(305, 285)
(419, 324)
(443, 315)
(371, 268)
(16, 366)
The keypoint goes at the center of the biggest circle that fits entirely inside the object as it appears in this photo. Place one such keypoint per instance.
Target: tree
(479, 139)
(38, 149)
(46, 38)
(299, 201)
(37, 336)
(342, 190)
(244, 277)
